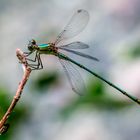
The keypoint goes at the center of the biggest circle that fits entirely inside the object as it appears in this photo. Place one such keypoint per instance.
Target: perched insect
(76, 24)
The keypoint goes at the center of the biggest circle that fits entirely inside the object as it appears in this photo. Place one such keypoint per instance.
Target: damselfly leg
(35, 66)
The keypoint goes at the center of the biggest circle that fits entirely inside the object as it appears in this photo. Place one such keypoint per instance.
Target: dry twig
(3, 125)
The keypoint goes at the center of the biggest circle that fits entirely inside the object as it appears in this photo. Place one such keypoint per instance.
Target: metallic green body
(46, 49)
(43, 46)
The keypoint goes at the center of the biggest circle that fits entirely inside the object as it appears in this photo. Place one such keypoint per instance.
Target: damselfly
(76, 24)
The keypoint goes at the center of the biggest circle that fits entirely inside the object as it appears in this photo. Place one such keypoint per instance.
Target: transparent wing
(76, 24)
(75, 45)
(74, 77)
(80, 54)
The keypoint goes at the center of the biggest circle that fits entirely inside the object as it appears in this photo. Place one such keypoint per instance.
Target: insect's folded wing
(80, 54)
(76, 24)
(74, 77)
(75, 45)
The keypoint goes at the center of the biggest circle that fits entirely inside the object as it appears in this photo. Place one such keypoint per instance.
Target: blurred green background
(48, 108)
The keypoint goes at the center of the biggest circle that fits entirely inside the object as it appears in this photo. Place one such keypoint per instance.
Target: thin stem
(27, 71)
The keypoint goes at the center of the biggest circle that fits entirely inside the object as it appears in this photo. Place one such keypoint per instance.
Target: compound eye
(33, 42)
(30, 46)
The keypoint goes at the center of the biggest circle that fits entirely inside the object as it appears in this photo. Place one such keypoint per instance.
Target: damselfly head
(31, 45)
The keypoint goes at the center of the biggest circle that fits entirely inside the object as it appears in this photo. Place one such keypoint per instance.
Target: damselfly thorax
(47, 48)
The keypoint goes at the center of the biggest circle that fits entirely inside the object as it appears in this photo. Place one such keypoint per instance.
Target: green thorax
(46, 49)
(43, 46)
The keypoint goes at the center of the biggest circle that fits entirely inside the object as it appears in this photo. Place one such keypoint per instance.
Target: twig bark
(3, 126)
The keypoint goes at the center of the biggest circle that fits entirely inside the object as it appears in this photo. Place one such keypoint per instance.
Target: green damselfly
(76, 24)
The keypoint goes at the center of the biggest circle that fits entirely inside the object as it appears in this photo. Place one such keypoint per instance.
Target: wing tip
(80, 10)
(79, 93)
(97, 59)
